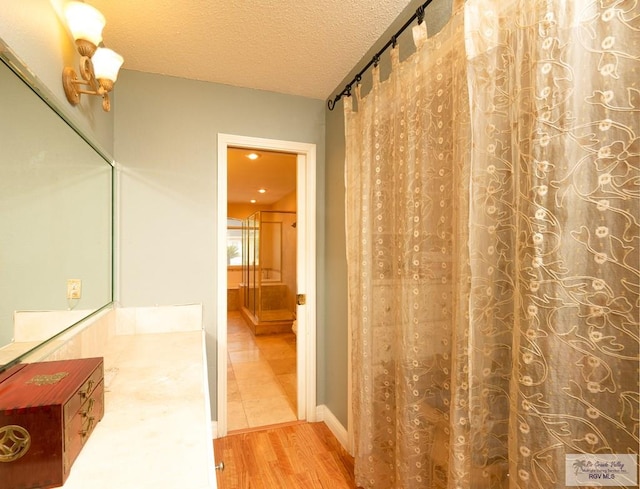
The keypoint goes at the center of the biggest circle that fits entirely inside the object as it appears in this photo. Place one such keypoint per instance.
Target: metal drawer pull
(85, 433)
(90, 403)
(84, 394)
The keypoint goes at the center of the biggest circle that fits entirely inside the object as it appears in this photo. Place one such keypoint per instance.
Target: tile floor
(261, 376)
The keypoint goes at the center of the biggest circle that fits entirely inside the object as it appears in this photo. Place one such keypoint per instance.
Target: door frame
(305, 273)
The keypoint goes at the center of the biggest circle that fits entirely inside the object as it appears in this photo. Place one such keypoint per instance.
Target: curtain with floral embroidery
(493, 246)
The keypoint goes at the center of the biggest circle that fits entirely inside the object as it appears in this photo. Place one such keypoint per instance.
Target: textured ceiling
(299, 47)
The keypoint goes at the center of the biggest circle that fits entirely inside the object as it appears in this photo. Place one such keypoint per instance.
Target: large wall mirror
(56, 220)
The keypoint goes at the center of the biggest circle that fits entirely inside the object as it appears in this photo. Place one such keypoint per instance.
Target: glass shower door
(250, 276)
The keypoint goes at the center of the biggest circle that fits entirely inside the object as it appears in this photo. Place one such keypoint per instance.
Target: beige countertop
(156, 430)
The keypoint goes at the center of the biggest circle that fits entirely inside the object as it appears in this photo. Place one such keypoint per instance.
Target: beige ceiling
(298, 47)
(274, 172)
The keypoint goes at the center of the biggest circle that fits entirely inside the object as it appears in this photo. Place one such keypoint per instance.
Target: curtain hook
(420, 14)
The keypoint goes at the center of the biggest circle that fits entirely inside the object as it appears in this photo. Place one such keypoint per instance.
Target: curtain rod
(376, 58)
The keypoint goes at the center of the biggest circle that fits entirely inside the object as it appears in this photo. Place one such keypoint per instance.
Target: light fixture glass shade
(85, 22)
(106, 64)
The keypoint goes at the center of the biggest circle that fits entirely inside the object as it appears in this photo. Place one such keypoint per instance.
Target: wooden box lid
(46, 383)
(5, 374)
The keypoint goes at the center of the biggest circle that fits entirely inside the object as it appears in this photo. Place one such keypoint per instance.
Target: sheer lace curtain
(493, 245)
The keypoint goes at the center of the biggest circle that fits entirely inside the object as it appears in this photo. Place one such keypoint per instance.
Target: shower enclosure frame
(268, 286)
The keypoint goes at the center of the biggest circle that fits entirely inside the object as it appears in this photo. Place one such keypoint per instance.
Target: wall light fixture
(98, 65)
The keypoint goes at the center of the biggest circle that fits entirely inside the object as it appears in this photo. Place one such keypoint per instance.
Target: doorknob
(220, 466)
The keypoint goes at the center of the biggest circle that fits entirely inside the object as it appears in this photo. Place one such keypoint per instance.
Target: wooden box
(47, 412)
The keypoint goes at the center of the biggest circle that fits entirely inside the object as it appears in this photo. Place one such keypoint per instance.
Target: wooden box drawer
(47, 411)
(85, 391)
(78, 429)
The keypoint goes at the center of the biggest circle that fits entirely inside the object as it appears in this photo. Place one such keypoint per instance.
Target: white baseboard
(323, 413)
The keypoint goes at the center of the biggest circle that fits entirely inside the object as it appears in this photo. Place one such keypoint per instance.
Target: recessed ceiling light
(261, 190)
(253, 201)
(253, 156)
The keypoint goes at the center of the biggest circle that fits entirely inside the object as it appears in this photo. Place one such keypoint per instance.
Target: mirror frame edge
(15, 64)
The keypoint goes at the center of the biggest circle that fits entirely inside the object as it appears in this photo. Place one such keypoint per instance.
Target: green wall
(166, 131)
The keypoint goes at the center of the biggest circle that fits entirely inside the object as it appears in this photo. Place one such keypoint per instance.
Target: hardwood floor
(293, 456)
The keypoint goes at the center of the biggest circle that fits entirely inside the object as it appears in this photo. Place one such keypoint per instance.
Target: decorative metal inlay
(48, 379)
(14, 442)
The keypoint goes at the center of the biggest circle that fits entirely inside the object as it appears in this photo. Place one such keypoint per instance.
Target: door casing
(305, 273)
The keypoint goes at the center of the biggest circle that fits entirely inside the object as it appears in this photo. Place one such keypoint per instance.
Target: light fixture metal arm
(72, 84)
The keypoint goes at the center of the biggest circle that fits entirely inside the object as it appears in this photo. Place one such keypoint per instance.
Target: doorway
(304, 339)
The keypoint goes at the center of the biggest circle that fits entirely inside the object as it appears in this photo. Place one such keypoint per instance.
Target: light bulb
(106, 64)
(85, 22)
